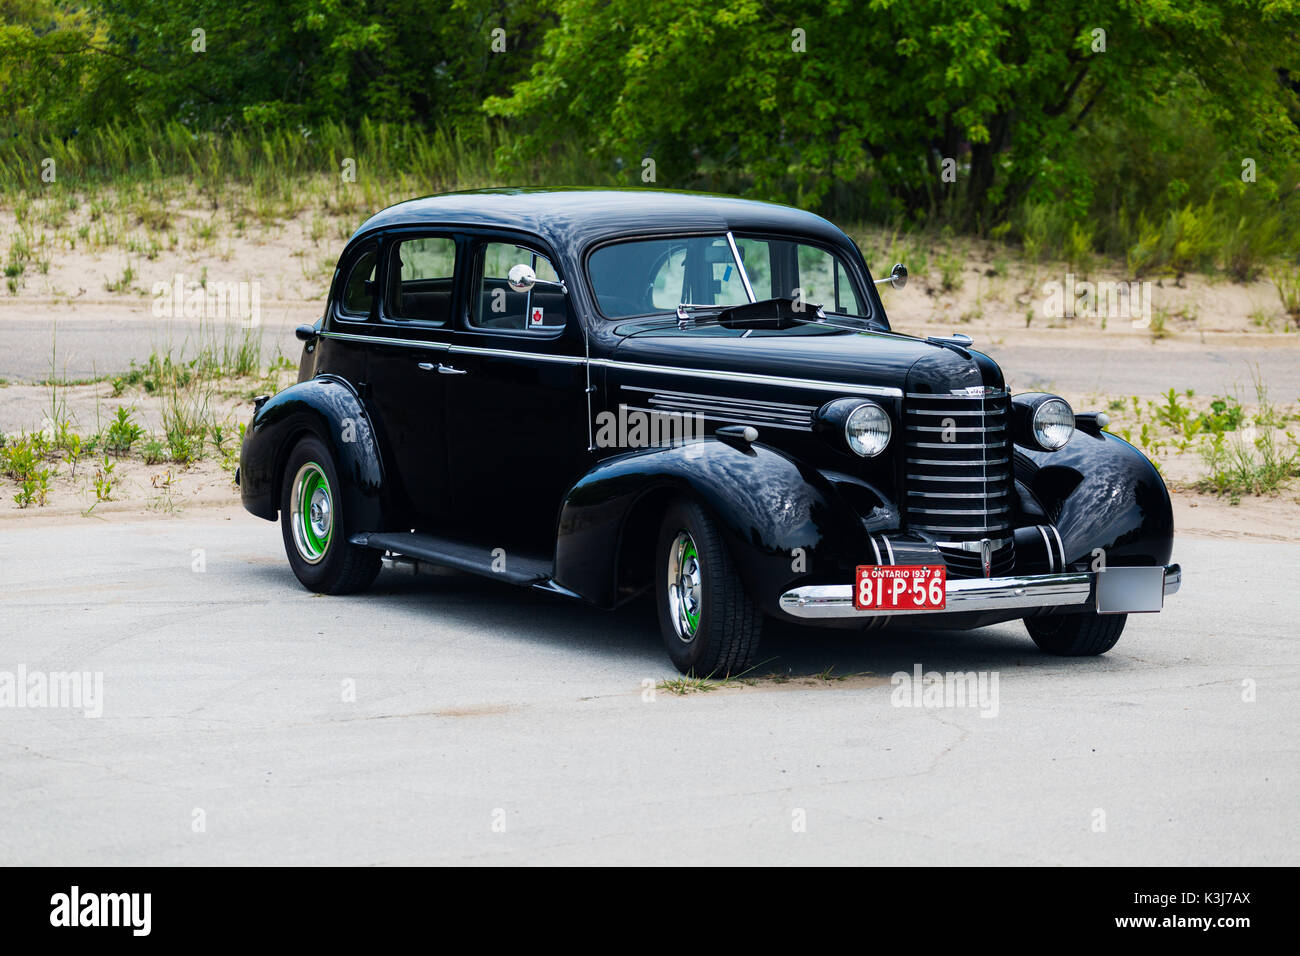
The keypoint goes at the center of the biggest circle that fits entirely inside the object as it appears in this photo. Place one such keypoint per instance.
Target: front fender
(328, 408)
(1102, 493)
(767, 505)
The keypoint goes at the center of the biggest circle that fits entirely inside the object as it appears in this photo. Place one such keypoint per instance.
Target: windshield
(654, 276)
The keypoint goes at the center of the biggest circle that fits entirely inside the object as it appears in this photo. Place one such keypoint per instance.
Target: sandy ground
(102, 252)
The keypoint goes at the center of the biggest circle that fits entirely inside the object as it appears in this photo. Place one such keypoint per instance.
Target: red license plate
(918, 587)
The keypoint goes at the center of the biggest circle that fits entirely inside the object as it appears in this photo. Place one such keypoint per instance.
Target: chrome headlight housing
(1041, 421)
(867, 430)
(1053, 423)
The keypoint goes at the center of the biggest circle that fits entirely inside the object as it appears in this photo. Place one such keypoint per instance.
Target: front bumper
(1129, 590)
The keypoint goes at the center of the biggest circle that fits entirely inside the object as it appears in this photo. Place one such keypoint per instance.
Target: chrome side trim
(659, 393)
(453, 348)
(384, 340)
(713, 374)
(708, 416)
(511, 353)
(724, 376)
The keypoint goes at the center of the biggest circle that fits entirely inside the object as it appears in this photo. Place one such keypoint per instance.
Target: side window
(422, 282)
(777, 267)
(497, 307)
(359, 287)
(823, 280)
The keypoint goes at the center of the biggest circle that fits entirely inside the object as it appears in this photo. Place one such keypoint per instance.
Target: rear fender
(328, 408)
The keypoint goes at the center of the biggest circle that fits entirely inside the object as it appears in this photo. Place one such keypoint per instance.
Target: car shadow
(632, 633)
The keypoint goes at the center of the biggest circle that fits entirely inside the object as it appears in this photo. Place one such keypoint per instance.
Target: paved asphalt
(101, 344)
(493, 725)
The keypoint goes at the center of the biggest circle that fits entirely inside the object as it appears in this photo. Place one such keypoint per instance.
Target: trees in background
(1106, 124)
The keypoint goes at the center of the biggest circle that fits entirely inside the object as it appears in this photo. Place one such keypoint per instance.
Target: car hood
(858, 358)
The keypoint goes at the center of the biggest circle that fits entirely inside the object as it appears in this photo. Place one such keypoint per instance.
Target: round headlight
(1053, 423)
(867, 430)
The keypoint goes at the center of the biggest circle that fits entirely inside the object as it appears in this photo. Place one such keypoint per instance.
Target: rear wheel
(1076, 635)
(315, 528)
(709, 625)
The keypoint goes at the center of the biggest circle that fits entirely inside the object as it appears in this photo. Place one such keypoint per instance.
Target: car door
(407, 372)
(518, 427)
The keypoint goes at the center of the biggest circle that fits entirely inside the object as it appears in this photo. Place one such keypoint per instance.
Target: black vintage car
(603, 393)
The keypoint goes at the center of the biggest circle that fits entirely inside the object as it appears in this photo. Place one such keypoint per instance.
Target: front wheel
(710, 626)
(315, 527)
(1076, 635)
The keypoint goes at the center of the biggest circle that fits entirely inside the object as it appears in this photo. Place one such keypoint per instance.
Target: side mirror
(897, 276)
(521, 278)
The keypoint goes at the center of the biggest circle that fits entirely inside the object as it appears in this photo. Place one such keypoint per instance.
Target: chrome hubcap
(311, 513)
(685, 601)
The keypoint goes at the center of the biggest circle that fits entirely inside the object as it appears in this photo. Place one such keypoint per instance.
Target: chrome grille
(960, 489)
(970, 564)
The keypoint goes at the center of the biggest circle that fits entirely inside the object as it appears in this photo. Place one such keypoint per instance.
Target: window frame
(350, 261)
(392, 240)
(477, 244)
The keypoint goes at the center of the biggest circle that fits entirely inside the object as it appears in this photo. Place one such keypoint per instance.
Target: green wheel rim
(311, 513)
(685, 597)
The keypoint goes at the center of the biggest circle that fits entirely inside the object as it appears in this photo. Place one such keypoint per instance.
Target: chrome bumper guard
(1127, 590)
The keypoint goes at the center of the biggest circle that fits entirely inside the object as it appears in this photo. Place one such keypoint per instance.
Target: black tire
(728, 625)
(338, 566)
(1076, 635)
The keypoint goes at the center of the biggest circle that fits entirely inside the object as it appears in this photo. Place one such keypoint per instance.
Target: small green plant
(123, 432)
(104, 480)
(72, 450)
(153, 452)
(950, 272)
(122, 283)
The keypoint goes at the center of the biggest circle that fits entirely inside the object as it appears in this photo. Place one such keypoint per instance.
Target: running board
(495, 563)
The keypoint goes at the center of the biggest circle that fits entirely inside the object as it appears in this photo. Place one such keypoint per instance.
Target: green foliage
(123, 432)
(1134, 151)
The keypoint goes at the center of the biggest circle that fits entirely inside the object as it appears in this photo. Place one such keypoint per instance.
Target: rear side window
(497, 307)
(423, 278)
(359, 287)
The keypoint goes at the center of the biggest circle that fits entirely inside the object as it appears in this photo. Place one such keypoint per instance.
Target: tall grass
(273, 162)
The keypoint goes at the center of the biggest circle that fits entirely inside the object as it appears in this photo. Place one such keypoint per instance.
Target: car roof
(571, 219)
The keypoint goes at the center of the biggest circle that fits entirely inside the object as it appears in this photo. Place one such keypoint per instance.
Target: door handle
(441, 369)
